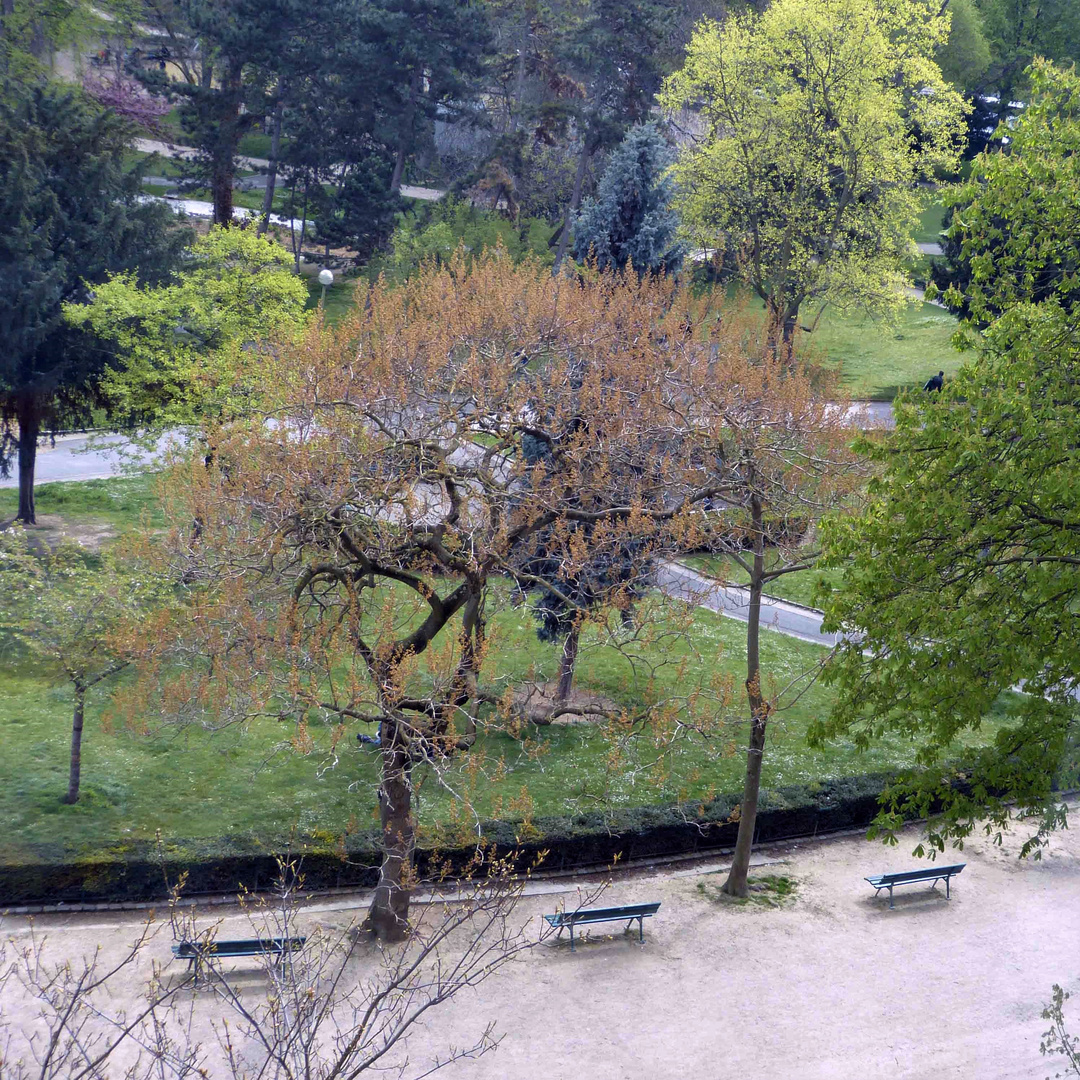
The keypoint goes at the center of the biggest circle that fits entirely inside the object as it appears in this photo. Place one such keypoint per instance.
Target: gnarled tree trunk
(389, 915)
(567, 662)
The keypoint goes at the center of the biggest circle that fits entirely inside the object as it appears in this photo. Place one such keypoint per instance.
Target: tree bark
(29, 419)
(405, 139)
(75, 767)
(223, 174)
(575, 202)
(566, 665)
(271, 172)
(388, 917)
(736, 883)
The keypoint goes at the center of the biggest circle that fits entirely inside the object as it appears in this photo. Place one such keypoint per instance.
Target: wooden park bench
(197, 952)
(933, 874)
(627, 914)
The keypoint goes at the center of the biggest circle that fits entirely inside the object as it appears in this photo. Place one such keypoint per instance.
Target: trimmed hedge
(137, 870)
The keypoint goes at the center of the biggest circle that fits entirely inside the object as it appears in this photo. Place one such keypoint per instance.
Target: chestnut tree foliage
(962, 574)
(338, 549)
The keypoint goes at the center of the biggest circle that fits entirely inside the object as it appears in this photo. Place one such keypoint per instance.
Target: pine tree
(72, 216)
(631, 219)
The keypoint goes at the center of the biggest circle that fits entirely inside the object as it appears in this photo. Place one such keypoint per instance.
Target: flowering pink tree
(127, 98)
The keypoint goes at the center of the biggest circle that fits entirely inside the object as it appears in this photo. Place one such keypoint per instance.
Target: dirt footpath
(832, 986)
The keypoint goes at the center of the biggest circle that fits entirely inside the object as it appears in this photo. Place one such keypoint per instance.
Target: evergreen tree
(631, 219)
(72, 215)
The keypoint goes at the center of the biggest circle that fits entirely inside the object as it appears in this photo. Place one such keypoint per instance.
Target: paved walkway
(153, 146)
(683, 583)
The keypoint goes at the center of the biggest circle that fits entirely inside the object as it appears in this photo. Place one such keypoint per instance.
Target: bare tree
(336, 1009)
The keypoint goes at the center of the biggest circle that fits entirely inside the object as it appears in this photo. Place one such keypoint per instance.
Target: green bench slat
(903, 877)
(614, 914)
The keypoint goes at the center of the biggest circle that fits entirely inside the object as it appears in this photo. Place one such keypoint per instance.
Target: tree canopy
(819, 116)
(181, 349)
(1012, 233)
(72, 216)
(963, 581)
(631, 220)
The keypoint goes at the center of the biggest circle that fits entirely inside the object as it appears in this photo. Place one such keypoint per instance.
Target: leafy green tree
(30, 30)
(73, 215)
(179, 350)
(963, 581)
(631, 219)
(808, 161)
(1018, 31)
(1011, 236)
(965, 56)
(228, 54)
(70, 614)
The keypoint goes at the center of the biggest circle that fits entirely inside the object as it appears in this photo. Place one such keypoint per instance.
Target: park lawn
(339, 296)
(876, 359)
(931, 222)
(250, 783)
(123, 501)
(798, 587)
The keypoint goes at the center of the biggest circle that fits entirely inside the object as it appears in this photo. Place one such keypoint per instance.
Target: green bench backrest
(239, 947)
(630, 911)
(921, 875)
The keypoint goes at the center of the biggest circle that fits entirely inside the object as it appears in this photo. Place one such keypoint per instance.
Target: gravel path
(832, 987)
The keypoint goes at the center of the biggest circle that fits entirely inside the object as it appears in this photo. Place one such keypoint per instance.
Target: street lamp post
(326, 277)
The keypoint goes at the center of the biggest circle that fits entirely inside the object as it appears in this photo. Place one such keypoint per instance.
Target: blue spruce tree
(631, 220)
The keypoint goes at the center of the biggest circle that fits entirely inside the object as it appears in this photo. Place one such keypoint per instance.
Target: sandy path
(833, 986)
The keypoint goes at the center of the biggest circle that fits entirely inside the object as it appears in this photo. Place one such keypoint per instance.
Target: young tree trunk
(271, 172)
(389, 915)
(75, 767)
(735, 885)
(575, 202)
(566, 665)
(29, 418)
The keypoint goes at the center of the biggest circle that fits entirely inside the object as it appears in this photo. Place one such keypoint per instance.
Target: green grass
(930, 224)
(876, 359)
(798, 587)
(765, 890)
(339, 296)
(191, 783)
(121, 500)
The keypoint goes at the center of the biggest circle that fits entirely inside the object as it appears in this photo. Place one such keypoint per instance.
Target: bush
(435, 233)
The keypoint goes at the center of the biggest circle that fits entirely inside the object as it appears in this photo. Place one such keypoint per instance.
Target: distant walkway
(679, 581)
(154, 146)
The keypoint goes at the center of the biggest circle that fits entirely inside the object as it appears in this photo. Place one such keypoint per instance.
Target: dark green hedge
(136, 870)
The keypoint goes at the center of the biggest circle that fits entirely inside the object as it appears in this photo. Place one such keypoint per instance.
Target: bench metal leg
(641, 930)
(890, 897)
(946, 888)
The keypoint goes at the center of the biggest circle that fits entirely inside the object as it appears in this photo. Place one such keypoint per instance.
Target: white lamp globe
(326, 277)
